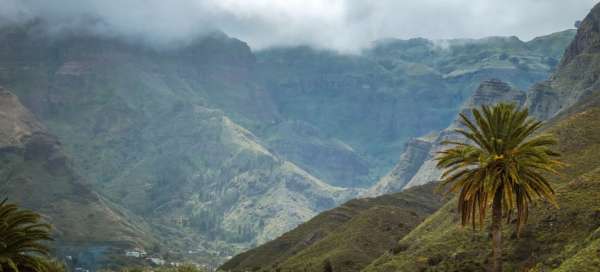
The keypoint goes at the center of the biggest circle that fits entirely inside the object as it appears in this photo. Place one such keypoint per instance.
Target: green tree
(502, 165)
(22, 238)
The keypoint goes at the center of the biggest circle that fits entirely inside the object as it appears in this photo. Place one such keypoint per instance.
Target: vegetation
(22, 238)
(346, 238)
(565, 239)
(502, 166)
(181, 268)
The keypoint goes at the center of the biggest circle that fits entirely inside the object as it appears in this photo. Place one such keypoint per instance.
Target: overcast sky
(346, 25)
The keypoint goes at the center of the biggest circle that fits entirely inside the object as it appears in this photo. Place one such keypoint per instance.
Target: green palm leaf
(22, 238)
(503, 165)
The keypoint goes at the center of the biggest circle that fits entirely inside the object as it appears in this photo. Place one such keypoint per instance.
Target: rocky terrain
(209, 148)
(37, 174)
(554, 239)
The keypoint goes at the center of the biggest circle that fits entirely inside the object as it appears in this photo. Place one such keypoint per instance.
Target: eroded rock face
(489, 92)
(587, 39)
(415, 153)
(575, 79)
(576, 76)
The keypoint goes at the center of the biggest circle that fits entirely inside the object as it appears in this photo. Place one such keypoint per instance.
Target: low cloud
(345, 25)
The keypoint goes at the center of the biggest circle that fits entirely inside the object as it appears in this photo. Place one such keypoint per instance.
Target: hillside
(37, 174)
(348, 237)
(218, 148)
(137, 125)
(373, 103)
(564, 239)
(417, 164)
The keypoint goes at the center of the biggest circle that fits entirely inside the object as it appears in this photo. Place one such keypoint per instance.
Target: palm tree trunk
(497, 232)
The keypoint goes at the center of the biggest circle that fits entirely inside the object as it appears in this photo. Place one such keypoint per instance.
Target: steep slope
(414, 155)
(138, 124)
(348, 237)
(564, 239)
(37, 174)
(417, 170)
(219, 149)
(399, 89)
(576, 76)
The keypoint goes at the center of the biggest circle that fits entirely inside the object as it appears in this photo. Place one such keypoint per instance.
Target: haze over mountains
(554, 239)
(208, 149)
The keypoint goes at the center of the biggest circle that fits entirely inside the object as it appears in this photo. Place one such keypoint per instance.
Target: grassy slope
(565, 239)
(343, 235)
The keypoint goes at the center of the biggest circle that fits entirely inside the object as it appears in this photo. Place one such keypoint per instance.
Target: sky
(343, 25)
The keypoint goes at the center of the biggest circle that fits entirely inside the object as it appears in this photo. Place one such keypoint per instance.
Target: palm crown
(21, 239)
(503, 158)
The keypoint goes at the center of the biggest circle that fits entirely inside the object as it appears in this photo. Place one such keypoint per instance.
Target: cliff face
(414, 155)
(397, 90)
(218, 148)
(587, 40)
(424, 168)
(575, 79)
(576, 76)
(570, 102)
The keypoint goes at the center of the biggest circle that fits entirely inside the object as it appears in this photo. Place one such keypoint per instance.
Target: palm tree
(501, 165)
(22, 238)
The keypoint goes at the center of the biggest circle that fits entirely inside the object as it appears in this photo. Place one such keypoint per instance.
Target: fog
(344, 25)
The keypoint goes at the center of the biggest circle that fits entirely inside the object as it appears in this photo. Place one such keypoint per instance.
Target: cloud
(346, 25)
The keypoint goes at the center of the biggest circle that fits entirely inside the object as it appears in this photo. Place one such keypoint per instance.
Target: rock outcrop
(489, 92)
(576, 76)
(415, 153)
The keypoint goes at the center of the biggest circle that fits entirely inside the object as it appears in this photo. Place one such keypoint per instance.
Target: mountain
(212, 148)
(573, 80)
(417, 165)
(356, 112)
(138, 125)
(342, 236)
(37, 174)
(415, 153)
(554, 239)
(563, 239)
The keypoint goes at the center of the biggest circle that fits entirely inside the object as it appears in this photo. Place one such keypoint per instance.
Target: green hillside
(565, 239)
(348, 237)
(217, 148)
(554, 239)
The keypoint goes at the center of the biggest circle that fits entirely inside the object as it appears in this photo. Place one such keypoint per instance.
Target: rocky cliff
(423, 167)
(414, 155)
(218, 148)
(575, 79)
(375, 102)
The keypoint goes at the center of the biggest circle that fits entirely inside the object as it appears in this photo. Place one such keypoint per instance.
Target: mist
(343, 25)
